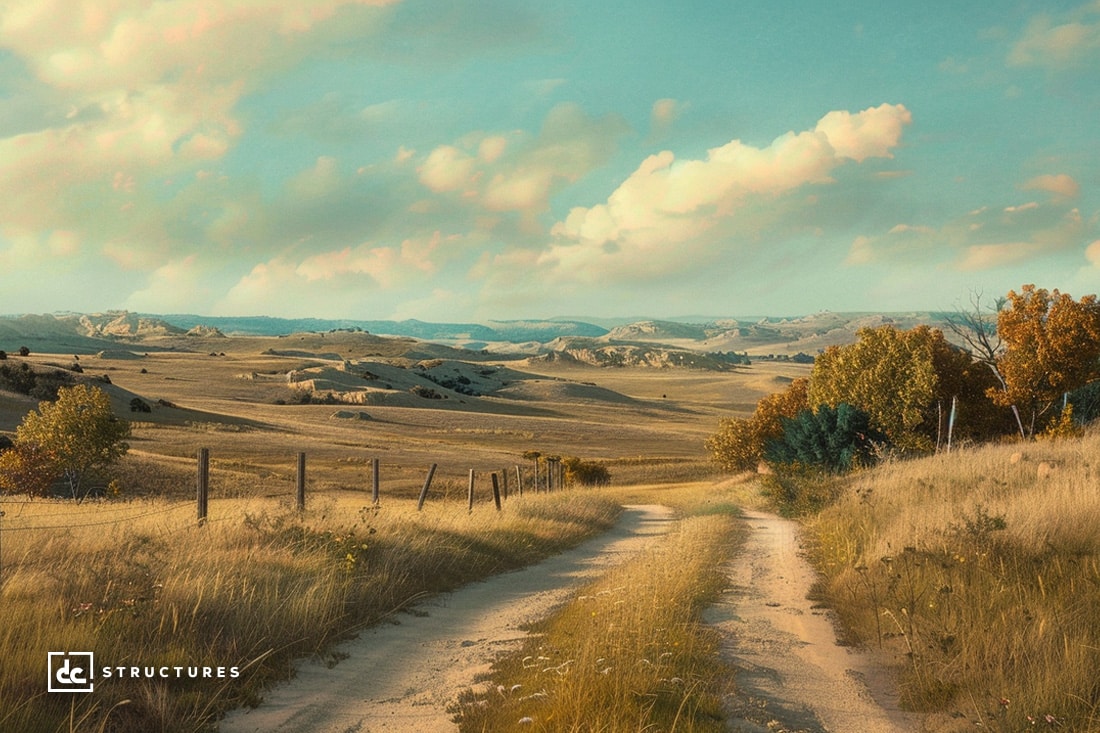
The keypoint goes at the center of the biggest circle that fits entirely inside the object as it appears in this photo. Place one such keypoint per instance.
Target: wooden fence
(552, 479)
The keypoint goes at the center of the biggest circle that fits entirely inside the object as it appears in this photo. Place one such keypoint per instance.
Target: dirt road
(401, 677)
(795, 677)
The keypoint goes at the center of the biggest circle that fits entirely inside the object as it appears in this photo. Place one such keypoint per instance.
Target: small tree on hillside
(79, 432)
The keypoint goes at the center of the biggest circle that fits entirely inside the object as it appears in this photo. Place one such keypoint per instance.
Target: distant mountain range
(643, 342)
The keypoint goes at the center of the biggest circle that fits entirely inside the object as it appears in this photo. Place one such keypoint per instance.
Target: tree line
(1030, 365)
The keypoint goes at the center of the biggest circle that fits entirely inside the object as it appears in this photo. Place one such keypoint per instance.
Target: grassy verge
(981, 571)
(138, 584)
(628, 653)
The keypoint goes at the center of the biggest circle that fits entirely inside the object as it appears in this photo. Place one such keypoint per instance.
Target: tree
(27, 469)
(739, 443)
(1051, 347)
(903, 380)
(79, 432)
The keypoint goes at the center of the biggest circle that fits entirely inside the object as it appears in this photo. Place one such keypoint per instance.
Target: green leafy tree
(79, 432)
(905, 381)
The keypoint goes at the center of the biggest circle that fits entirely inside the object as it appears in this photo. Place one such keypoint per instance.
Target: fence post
(424, 491)
(202, 493)
(470, 493)
(519, 479)
(496, 491)
(301, 494)
(375, 482)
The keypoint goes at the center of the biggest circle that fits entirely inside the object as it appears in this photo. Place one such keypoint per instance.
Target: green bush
(834, 439)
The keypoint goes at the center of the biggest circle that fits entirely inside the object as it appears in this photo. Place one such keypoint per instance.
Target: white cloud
(1069, 41)
(518, 172)
(667, 202)
(1092, 254)
(1060, 184)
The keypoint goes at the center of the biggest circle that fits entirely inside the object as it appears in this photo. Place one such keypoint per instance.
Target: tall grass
(981, 570)
(139, 584)
(629, 653)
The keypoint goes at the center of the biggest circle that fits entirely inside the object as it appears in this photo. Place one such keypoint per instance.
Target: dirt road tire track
(794, 675)
(400, 677)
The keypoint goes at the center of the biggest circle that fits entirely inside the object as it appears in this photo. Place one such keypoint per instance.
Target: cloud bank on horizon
(484, 159)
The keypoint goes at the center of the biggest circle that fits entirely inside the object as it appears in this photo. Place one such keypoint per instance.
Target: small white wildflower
(526, 721)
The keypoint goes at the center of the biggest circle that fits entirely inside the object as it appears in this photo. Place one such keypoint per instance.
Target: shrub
(586, 473)
(739, 443)
(835, 439)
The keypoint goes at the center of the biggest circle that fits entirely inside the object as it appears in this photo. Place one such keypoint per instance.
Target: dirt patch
(401, 677)
(794, 675)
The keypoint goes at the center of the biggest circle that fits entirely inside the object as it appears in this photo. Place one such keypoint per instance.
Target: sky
(467, 160)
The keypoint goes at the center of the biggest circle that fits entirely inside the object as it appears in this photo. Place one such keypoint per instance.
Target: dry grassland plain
(136, 580)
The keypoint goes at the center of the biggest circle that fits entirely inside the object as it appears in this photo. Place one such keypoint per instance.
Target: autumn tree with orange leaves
(1051, 347)
(739, 443)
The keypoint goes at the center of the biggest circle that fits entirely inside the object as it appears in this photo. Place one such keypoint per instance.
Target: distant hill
(514, 331)
(714, 344)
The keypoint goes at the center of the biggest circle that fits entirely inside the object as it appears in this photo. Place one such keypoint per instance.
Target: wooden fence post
(519, 479)
(301, 494)
(470, 493)
(374, 482)
(496, 491)
(202, 493)
(424, 491)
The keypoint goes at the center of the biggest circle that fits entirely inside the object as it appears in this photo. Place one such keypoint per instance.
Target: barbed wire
(119, 520)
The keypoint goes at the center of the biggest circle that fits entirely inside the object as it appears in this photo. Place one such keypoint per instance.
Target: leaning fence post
(470, 493)
(504, 483)
(301, 494)
(424, 491)
(202, 493)
(374, 484)
(496, 491)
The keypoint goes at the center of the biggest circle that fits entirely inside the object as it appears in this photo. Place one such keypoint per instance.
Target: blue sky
(494, 160)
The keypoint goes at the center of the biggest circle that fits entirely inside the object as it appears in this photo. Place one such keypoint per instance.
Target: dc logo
(71, 671)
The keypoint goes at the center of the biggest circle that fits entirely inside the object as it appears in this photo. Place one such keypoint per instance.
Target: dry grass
(629, 653)
(140, 584)
(981, 570)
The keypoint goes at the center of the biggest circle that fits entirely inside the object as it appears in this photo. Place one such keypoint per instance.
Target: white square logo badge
(71, 671)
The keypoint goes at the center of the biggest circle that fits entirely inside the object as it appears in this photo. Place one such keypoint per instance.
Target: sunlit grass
(141, 584)
(981, 570)
(629, 652)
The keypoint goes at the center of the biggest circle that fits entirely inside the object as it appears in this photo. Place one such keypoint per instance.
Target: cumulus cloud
(1072, 40)
(150, 90)
(517, 172)
(668, 202)
(1092, 254)
(1060, 184)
